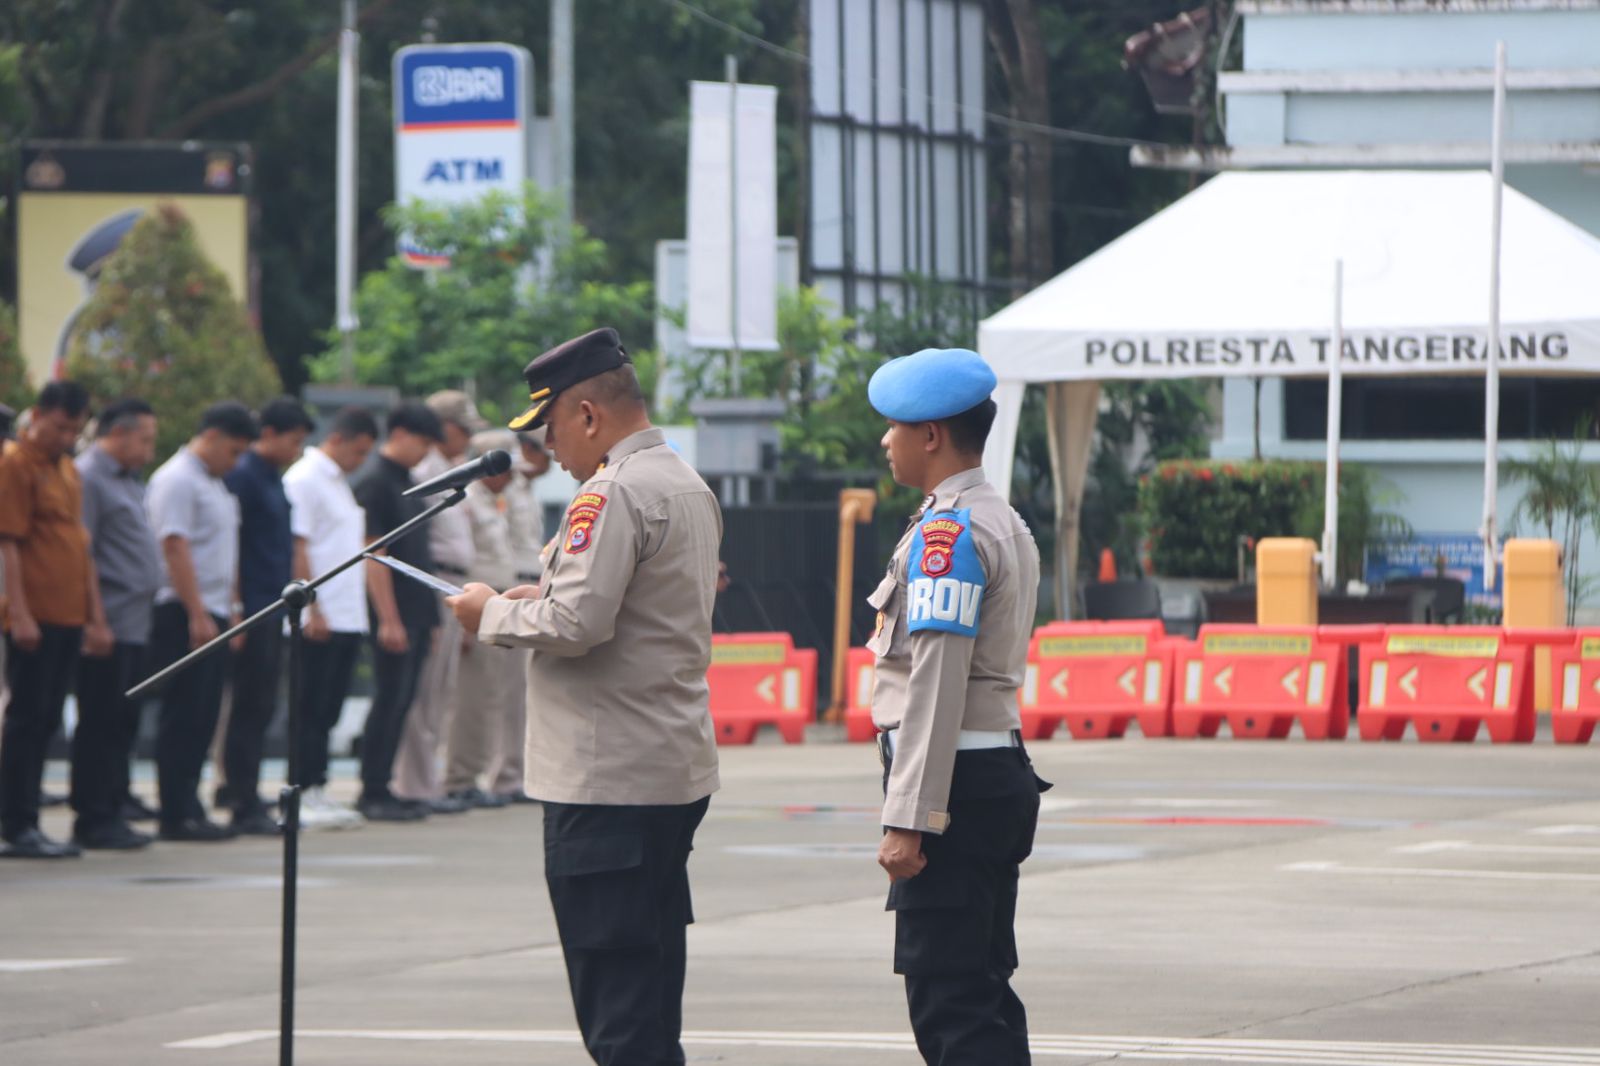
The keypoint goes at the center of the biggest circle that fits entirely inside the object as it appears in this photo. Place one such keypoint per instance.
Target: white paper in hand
(422, 577)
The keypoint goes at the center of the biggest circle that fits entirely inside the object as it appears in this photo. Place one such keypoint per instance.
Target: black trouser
(256, 670)
(39, 680)
(191, 701)
(954, 936)
(394, 687)
(108, 725)
(619, 884)
(325, 682)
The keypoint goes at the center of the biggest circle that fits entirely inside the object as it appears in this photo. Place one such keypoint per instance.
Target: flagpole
(1491, 410)
(1330, 491)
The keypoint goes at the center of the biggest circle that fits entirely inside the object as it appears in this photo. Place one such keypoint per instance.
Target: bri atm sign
(462, 114)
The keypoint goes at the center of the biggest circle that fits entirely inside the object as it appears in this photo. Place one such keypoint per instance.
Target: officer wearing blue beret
(961, 800)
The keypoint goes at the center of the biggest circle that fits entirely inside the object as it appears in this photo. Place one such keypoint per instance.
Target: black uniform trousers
(395, 680)
(108, 726)
(325, 681)
(954, 938)
(256, 669)
(38, 680)
(191, 702)
(619, 884)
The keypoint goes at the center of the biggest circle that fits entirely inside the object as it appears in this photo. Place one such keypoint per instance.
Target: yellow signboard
(747, 654)
(1257, 644)
(1453, 647)
(1077, 647)
(1589, 648)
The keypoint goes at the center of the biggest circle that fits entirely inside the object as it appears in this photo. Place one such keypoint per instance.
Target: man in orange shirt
(52, 606)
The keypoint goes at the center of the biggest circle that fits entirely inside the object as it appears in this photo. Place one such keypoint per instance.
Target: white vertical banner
(733, 216)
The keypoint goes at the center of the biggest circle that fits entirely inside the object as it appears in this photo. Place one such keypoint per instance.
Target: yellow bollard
(1535, 599)
(1286, 582)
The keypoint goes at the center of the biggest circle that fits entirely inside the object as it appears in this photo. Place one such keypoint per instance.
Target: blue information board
(1457, 555)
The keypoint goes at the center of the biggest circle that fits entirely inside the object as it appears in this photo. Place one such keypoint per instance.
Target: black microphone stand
(296, 596)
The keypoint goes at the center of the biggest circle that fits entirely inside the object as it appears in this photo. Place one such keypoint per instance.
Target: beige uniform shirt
(955, 612)
(492, 560)
(527, 525)
(450, 531)
(618, 709)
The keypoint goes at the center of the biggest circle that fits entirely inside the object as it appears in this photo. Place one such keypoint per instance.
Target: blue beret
(931, 384)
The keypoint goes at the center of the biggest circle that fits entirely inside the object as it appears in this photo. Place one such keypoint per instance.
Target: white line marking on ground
(1422, 871)
(1142, 1048)
(1049, 805)
(1566, 830)
(36, 965)
(1432, 846)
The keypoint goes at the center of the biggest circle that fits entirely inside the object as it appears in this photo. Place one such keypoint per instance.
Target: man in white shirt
(329, 526)
(418, 776)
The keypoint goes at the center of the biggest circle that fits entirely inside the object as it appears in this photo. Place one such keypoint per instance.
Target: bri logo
(442, 86)
(945, 600)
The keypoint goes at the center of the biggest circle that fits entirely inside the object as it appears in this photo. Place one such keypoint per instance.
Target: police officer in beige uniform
(961, 800)
(620, 745)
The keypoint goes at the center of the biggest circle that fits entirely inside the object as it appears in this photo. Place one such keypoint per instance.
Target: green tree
(163, 325)
(479, 321)
(1141, 424)
(1561, 498)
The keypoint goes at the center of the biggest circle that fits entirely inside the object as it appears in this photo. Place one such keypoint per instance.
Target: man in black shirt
(404, 613)
(266, 550)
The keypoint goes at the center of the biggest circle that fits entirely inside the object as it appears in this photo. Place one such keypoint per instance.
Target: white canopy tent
(1237, 279)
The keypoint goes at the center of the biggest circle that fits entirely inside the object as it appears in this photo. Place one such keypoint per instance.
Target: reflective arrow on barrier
(1059, 683)
(1129, 680)
(1224, 680)
(1408, 681)
(1477, 682)
(767, 688)
(1291, 682)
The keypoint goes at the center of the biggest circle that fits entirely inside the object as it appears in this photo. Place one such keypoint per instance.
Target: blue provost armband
(944, 577)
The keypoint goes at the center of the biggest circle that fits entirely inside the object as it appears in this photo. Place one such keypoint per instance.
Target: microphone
(486, 465)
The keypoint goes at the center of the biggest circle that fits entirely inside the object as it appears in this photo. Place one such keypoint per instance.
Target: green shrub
(1195, 513)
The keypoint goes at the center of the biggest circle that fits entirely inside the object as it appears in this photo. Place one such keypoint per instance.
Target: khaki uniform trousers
(488, 712)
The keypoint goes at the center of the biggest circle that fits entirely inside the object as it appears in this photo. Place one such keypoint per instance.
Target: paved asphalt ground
(1196, 902)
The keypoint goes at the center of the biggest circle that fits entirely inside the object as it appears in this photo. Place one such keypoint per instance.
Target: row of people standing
(109, 580)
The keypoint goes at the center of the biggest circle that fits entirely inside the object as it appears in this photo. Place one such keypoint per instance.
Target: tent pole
(1330, 490)
(1491, 410)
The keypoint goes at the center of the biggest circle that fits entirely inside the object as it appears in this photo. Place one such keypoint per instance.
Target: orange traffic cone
(1108, 565)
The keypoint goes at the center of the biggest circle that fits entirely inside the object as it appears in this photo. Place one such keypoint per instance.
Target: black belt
(524, 575)
(453, 571)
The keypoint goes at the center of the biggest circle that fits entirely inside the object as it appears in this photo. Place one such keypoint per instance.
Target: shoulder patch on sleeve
(582, 514)
(944, 577)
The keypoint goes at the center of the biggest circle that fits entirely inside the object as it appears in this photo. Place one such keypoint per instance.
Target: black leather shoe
(112, 836)
(256, 823)
(390, 810)
(477, 797)
(446, 805)
(135, 809)
(196, 831)
(32, 844)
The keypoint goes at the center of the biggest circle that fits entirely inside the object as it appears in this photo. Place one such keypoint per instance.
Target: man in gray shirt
(128, 565)
(196, 521)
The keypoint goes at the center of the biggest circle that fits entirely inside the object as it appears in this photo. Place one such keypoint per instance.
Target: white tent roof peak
(1237, 278)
